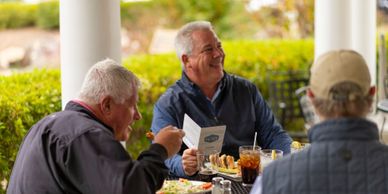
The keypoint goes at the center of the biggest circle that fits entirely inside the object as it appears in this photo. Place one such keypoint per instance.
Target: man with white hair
(78, 150)
(211, 97)
(345, 155)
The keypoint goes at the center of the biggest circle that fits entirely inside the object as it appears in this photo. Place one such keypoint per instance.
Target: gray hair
(347, 100)
(184, 39)
(107, 78)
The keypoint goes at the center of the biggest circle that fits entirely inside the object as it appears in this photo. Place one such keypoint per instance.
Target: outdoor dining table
(237, 187)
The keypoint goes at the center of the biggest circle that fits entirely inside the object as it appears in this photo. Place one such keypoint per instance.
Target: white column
(364, 32)
(382, 70)
(90, 32)
(347, 24)
(332, 25)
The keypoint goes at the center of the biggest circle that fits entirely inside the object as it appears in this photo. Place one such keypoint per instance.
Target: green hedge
(25, 99)
(47, 15)
(28, 97)
(17, 15)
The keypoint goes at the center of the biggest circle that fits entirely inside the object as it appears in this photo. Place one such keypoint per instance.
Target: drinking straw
(254, 141)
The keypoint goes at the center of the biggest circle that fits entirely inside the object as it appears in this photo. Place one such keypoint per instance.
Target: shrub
(134, 14)
(156, 73)
(254, 59)
(25, 99)
(185, 11)
(47, 15)
(16, 15)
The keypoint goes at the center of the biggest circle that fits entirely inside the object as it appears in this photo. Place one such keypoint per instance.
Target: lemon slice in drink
(296, 145)
(273, 155)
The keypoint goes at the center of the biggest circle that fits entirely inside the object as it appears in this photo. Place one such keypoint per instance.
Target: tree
(2, 1)
(284, 17)
(305, 9)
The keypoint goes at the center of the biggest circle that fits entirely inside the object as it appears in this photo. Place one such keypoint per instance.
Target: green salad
(183, 186)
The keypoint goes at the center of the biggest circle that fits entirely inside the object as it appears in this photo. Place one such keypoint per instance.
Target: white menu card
(204, 139)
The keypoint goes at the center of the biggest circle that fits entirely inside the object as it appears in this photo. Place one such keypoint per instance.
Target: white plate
(230, 175)
(178, 187)
(233, 177)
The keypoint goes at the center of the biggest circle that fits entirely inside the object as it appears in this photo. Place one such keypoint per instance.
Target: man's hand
(170, 138)
(189, 161)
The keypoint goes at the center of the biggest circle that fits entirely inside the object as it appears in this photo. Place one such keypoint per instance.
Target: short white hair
(347, 100)
(108, 78)
(184, 39)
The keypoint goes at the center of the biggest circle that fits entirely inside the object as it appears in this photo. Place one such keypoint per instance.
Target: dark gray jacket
(345, 157)
(73, 152)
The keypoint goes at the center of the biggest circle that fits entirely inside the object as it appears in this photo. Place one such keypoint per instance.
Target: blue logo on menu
(211, 138)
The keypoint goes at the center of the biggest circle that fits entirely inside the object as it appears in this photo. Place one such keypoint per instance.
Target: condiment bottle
(216, 181)
(226, 186)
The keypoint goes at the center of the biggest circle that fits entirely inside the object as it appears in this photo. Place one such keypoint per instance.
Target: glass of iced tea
(249, 163)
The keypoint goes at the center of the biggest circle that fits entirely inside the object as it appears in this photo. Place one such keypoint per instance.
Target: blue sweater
(239, 106)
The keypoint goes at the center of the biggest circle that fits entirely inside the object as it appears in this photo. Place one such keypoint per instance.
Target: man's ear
(185, 60)
(372, 91)
(106, 104)
(310, 93)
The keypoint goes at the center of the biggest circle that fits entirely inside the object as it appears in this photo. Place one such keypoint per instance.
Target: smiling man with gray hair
(211, 97)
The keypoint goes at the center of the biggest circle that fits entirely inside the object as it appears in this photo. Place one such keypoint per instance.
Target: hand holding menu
(204, 139)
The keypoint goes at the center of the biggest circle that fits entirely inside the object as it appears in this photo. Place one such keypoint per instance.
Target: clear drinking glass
(206, 171)
(269, 155)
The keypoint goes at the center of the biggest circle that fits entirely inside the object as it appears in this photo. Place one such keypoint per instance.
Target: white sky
(255, 5)
(32, 1)
(37, 1)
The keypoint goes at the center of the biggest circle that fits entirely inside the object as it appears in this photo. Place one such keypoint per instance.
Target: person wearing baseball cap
(345, 155)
